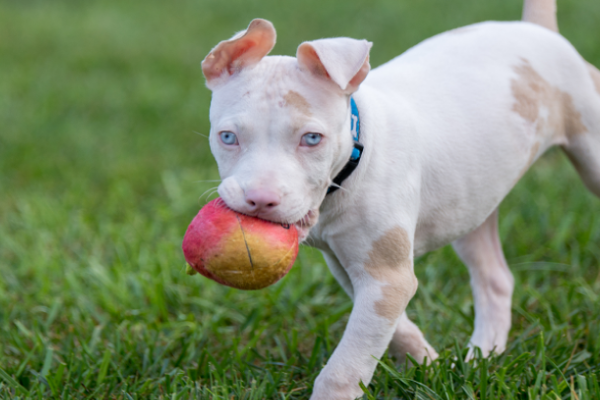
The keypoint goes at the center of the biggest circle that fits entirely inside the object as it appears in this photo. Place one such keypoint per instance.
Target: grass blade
(103, 367)
(12, 383)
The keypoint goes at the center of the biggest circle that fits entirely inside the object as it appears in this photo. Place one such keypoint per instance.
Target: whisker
(201, 134)
(211, 194)
(215, 190)
(222, 204)
(207, 191)
(339, 187)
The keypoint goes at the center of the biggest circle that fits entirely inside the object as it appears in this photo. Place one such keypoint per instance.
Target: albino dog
(448, 128)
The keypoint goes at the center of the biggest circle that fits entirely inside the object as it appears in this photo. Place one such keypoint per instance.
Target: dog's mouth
(304, 225)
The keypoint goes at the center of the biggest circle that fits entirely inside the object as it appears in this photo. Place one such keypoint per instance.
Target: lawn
(104, 161)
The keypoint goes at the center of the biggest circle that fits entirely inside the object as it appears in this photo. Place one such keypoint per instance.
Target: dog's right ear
(345, 61)
(243, 50)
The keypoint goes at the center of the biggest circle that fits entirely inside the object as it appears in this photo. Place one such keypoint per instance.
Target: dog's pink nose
(262, 200)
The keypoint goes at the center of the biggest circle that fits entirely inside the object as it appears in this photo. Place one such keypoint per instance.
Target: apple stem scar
(245, 242)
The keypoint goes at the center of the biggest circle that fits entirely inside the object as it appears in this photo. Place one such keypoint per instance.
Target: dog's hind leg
(492, 284)
(583, 149)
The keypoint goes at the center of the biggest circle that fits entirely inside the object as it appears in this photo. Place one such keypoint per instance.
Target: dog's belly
(458, 197)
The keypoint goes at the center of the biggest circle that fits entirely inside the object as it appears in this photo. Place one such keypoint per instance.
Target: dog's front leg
(382, 282)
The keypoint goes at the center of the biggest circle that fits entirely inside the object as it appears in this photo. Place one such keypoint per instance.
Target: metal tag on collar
(356, 151)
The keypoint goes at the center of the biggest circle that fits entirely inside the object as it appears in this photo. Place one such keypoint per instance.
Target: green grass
(101, 170)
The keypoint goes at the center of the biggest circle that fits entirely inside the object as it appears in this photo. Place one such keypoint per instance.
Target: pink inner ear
(360, 75)
(344, 61)
(242, 48)
(239, 52)
(311, 60)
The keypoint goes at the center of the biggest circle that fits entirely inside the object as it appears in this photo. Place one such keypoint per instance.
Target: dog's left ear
(243, 50)
(343, 60)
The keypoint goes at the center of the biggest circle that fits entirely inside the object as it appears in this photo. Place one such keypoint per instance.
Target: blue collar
(356, 151)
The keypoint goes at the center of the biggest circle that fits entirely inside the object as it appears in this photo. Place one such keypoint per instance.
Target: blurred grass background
(102, 166)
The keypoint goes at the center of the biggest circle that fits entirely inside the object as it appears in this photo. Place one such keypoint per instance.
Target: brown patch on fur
(388, 252)
(298, 101)
(595, 74)
(533, 93)
(390, 262)
(393, 302)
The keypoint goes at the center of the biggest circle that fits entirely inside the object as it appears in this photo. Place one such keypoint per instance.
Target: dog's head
(280, 126)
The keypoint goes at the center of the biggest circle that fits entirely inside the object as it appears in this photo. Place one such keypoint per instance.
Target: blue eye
(311, 139)
(228, 138)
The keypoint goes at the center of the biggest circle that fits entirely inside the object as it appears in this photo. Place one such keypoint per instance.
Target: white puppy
(448, 128)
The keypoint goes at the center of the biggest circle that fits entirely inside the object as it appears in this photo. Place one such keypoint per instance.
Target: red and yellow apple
(238, 250)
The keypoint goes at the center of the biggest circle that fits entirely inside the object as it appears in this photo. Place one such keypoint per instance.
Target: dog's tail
(541, 12)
